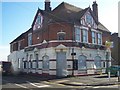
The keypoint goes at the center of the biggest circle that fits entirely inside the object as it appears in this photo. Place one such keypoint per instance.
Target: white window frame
(19, 45)
(84, 35)
(29, 39)
(94, 37)
(99, 38)
(19, 63)
(77, 35)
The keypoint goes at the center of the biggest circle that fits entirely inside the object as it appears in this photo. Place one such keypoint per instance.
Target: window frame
(77, 34)
(29, 39)
(82, 63)
(94, 37)
(97, 64)
(85, 37)
(99, 39)
(45, 62)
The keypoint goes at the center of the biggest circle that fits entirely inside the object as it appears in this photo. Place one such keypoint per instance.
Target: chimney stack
(95, 9)
(47, 6)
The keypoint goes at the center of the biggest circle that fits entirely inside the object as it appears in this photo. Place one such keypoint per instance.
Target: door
(82, 64)
(61, 64)
(45, 65)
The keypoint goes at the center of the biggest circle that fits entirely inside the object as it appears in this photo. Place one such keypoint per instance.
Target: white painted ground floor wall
(45, 61)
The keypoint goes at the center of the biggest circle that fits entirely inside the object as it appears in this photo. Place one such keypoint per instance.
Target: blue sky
(17, 16)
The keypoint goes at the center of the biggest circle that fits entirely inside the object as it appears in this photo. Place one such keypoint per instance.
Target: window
(38, 20)
(81, 62)
(85, 35)
(61, 35)
(19, 63)
(104, 64)
(36, 58)
(29, 39)
(98, 62)
(25, 64)
(46, 63)
(99, 38)
(29, 64)
(77, 34)
(11, 48)
(34, 64)
(31, 56)
(40, 65)
(19, 45)
(89, 19)
(94, 37)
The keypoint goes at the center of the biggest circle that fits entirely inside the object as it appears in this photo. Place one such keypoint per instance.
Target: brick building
(116, 49)
(64, 41)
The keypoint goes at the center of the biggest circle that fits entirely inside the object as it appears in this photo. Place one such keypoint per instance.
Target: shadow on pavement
(22, 78)
(105, 76)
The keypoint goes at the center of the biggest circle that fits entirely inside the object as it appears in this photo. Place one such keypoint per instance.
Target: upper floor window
(61, 35)
(77, 34)
(99, 38)
(38, 22)
(11, 47)
(94, 37)
(29, 39)
(85, 35)
(19, 45)
(89, 19)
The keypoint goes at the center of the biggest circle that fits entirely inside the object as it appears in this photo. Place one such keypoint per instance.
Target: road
(31, 82)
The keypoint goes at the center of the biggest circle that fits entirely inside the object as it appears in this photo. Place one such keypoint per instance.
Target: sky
(16, 17)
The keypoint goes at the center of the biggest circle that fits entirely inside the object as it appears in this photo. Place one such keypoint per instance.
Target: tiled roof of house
(102, 27)
(72, 14)
(64, 12)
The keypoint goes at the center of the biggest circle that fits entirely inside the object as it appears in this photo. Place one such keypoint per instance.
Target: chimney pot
(95, 9)
(47, 5)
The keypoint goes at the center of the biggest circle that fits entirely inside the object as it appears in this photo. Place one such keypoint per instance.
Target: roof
(102, 27)
(20, 36)
(71, 13)
(67, 6)
(64, 12)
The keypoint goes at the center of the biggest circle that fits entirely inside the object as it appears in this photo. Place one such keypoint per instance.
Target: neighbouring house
(67, 40)
(115, 49)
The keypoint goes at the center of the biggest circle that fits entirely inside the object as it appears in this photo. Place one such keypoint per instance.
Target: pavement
(31, 81)
(95, 80)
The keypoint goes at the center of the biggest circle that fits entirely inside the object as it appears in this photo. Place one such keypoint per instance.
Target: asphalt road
(28, 82)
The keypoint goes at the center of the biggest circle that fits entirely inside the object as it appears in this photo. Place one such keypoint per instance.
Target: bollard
(118, 74)
(109, 75)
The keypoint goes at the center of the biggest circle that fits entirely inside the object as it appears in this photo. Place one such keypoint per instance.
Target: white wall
(89, 53)
(13, 58)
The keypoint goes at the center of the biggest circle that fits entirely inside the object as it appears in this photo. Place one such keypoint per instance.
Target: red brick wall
(105, 37)
(55, 28)
(50, 33)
